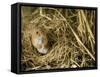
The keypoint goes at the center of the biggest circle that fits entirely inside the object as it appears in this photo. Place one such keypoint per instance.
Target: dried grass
(71, 37)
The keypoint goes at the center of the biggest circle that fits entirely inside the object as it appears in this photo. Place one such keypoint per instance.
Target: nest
(71, 38)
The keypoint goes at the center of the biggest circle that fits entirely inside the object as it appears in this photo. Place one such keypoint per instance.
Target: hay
(71, 38)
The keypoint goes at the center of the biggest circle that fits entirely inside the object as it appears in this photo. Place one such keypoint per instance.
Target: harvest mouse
(39, 40)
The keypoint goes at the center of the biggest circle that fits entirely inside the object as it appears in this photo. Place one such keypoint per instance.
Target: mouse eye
(37, 32)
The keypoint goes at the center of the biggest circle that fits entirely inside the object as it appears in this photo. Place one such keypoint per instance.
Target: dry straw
(71, 37)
